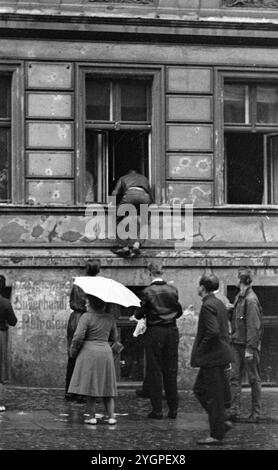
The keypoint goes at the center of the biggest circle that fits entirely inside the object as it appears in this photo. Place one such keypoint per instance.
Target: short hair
(210, 282)
(155, 269)
(92, 267)
(95, 302)
(245, 276)
(2, 282)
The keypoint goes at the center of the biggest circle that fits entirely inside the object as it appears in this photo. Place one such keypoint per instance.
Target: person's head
(92, 267)
(155, 270)
(208, 284)
(2, 282)
(95, 303)
(133, 168)
(245, 277)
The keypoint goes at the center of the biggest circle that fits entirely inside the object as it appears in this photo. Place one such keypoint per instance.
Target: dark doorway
(130, 365)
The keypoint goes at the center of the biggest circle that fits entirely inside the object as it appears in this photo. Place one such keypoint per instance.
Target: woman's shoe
(90, 421)
(112, 421)
(2, 408)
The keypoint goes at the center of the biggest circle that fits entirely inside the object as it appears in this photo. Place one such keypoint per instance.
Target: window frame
(114, 72)
(17, 166)
(233, 75)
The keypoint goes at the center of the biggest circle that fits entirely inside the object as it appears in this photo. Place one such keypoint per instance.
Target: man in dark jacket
(132, 188)
(212, 353)
(7, 318)
(160, 307)
(246, 341)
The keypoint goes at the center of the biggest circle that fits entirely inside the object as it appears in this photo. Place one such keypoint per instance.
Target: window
(251, 141)
(118, 131)
(5, 137)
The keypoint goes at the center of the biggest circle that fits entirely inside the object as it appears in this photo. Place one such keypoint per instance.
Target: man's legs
(170, 369)
(236, 378)
(200, 390)
(154, 342)
(254, 378)
(209, 390)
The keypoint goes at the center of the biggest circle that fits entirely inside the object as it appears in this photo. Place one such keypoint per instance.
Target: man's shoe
(253, 419)
(123, 252)
(141, 393)
(136, 248)
(172, 414)
(227, 426)
(154, 415)
(234, 418)
(210, 441)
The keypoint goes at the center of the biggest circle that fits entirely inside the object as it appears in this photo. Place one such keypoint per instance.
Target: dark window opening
(245, 168)
(109, 155)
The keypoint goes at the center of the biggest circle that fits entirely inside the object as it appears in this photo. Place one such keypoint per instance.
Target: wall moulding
(250, 3)
(135, 2)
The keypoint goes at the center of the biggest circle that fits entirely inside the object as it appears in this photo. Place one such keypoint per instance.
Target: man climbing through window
(132, 188)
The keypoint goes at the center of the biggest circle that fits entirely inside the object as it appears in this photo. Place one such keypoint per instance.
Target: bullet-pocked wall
(44, 239)
(40, 298)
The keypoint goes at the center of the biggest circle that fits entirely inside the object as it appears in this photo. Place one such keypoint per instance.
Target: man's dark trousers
(209, 389)
(161, 344)
(70, 369)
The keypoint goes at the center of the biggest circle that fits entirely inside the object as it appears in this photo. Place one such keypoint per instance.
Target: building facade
(187, 91)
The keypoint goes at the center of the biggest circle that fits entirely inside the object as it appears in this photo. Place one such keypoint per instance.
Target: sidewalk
(41, 419)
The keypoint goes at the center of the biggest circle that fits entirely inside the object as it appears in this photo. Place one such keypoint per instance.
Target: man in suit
(7, 318)
(160, 307)
(212, 353)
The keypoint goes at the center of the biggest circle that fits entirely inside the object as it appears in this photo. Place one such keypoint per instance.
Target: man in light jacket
(246, 341)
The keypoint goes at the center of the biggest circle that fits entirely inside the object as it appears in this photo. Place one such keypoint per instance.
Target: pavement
(40, 419)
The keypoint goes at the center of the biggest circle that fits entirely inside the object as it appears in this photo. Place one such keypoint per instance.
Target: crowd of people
(228, 341)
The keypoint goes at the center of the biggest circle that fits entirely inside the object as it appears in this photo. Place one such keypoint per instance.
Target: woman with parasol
(94, 373)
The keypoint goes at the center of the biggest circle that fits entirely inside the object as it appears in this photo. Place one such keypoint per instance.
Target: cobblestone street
(40, 419)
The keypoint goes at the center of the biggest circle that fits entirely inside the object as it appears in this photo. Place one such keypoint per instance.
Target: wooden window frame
(17, 168)
(233, 75)
(157, 150)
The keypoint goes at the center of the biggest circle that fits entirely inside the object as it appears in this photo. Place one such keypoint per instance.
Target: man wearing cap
(160, 306)
(246, 335)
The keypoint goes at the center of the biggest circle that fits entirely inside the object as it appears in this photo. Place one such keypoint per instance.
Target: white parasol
(108, 290)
